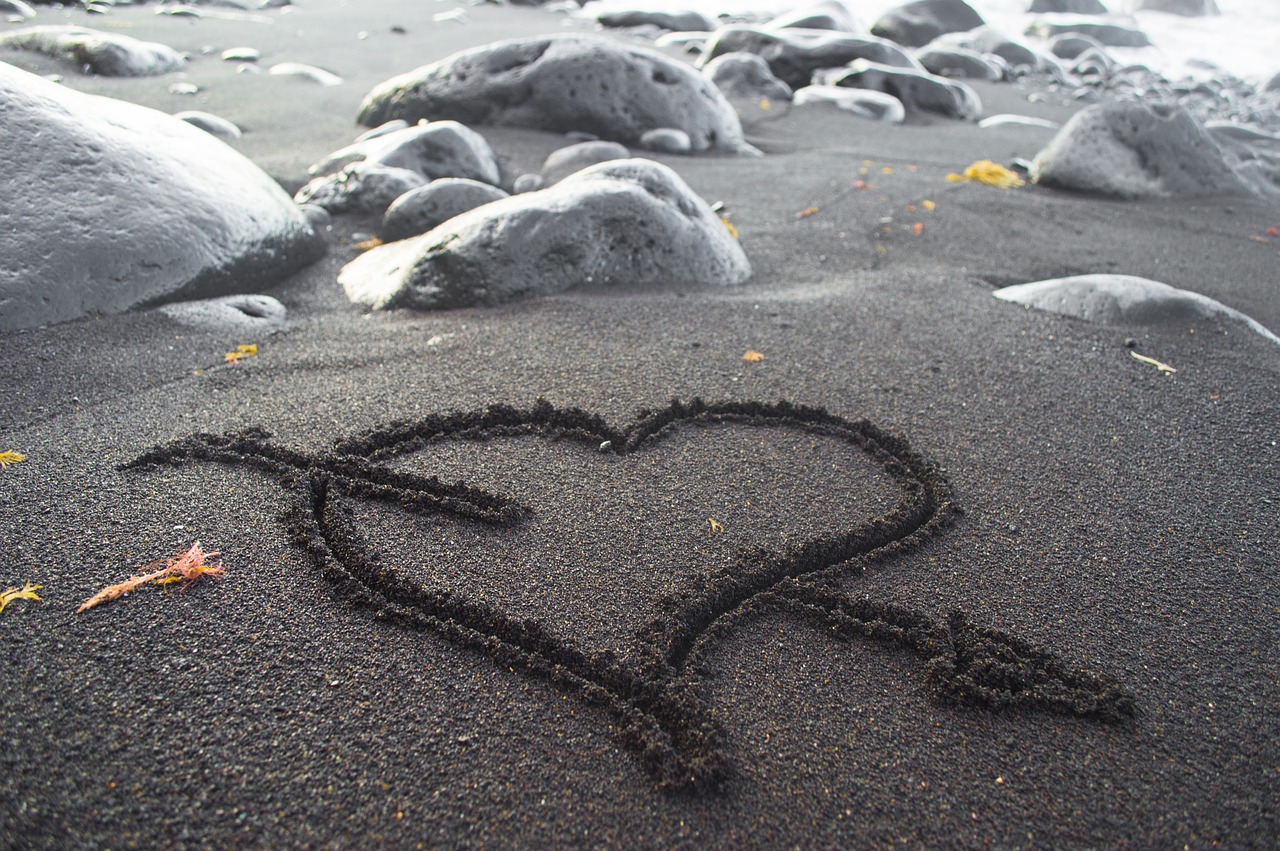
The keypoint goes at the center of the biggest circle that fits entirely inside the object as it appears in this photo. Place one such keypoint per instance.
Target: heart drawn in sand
(644, 678)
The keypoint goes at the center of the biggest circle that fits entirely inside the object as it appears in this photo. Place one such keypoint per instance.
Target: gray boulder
(1070, 7)
(960, 62)
(247, 313)
(794, 55)
(990, 40)
(666, 140)
(107, 206)
(626, 222)
(1186, 8)
(421, 209)
(1123, 300)
(864, 103)
(1071, 45)
(916, 24)
(1104, 32)
(1135, 150)
(96, 52)
(750, 87)
(919, 91)
(210, 123)
(563, 162)
(563, 83)
(432, 149)
(360, 187)
(681, 21)
(827, 15)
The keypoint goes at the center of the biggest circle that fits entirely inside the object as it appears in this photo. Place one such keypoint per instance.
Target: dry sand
(1122, 520)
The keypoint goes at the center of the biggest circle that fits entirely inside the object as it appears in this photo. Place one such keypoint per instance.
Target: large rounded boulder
(563, 83)
(918, 23)
(107, 205)
(96, 52)
(619, 223)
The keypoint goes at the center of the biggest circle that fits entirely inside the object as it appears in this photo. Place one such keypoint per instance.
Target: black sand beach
(1099, 519)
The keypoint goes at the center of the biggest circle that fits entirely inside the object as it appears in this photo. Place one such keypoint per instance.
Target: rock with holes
(563, 83)
(1123, 300)
(433, 149)
(112, 205)
(422, 209)
(916, 24)
(750, 87)
(1135, 150)
(563, 162)
(359, 188)
(919, 91)
(794, 55)
(249, 313)
(1186, 8)
(619, 223)
(96, 52)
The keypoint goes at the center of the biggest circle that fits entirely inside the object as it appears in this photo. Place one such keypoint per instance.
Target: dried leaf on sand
(27, 592)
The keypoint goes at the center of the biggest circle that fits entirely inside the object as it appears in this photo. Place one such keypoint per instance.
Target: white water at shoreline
(1244, 40)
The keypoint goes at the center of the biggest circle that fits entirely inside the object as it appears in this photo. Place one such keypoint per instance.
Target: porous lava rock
(108, 205)
(1135, 150)
(919, 91)
(794, 55)
(422, 209)
(916, 24)
(96, 52)
(1121, 300)
(432, 149)
(619, 223)
(563, 83)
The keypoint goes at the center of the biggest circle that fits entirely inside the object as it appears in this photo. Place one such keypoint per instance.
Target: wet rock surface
(135, 207)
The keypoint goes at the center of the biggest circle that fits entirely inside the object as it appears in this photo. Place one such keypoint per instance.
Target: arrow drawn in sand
(653, 695)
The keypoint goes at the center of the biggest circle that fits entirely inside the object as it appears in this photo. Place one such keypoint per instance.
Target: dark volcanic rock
(97, 52)
(563, 83)
(360, 187)
(422, 209)
(1104, 32)
(112, 205)
(750, 87)
(959, 62)
(916, 24)
(919, 91)
(1186, 8)
(432, 149)
(617, 223)
(793, 55)
(683, 21)
(827, 15)
(987, 39)
(1135, 150)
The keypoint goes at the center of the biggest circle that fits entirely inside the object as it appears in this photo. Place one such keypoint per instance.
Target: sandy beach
(1100, 516)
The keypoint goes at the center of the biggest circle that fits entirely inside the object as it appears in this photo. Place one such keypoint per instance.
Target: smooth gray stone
(678, 21)
(1135, 150)
(383, 129)
(246, 312)
(1105, 32)
(210, 123)
(864, 103)
(795, 54)
(563, 83)
(1186, 8)
(750, 87)
(916, 24)
(563, 162)
(1071, 45)
(987, 39)
(619, 223)
(1122, 300)
(419, 210)
(112, 205)
(960, 63)
(666, 140)
(97, 52)
(16, 9)
(306, 72)
(527, 183)
(919, 91)
(828, 15)
(359, 187)
(1070, 7)
(432, 149)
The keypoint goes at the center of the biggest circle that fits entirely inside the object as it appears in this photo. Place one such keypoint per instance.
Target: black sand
(1123, 521)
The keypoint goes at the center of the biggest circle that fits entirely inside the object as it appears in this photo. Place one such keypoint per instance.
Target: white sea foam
(1242, 40)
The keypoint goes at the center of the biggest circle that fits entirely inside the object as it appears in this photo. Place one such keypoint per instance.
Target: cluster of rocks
(133, 207)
